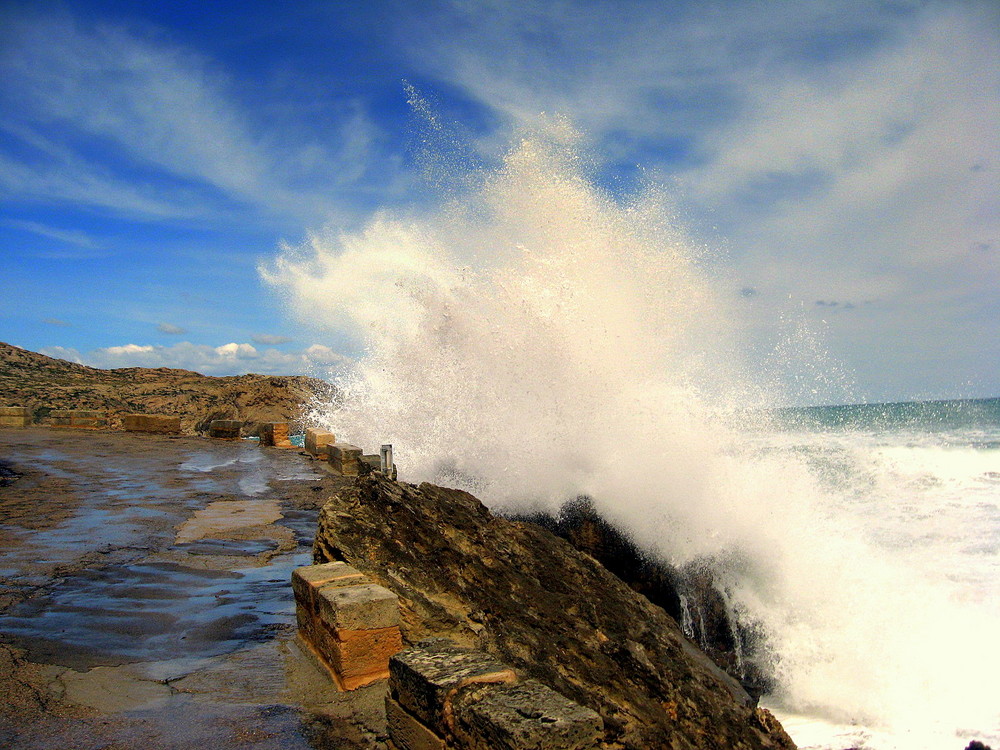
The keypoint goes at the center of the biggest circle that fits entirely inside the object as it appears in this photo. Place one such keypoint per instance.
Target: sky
(840, 160)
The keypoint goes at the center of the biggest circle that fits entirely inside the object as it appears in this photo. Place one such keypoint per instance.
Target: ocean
(533, 339)
(921, 483)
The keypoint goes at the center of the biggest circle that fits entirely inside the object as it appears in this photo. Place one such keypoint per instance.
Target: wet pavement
(145, 597)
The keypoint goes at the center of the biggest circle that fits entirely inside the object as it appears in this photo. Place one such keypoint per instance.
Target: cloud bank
(228, 359)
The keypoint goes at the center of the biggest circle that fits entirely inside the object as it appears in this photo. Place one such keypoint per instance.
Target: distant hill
(43, 383)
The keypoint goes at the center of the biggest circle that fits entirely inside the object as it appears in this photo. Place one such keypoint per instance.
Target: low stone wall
(350, 624)
(275, 434)
(317, 442)
(80, 419)
(442, 696)
(225, 429)
(15, 416)
(160, 424)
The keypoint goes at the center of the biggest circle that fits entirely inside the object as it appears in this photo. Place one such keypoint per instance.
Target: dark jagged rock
(693, 587)
(554, 614)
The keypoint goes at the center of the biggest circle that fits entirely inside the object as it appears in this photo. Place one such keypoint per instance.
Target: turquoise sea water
(934, 417)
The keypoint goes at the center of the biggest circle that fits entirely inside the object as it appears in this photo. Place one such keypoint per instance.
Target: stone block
(345, 459)
(225, 429)
(350, 623)
(317, 442)
(366, 606)
(78, 418)
(275, 434)
(358, 656)
(525, 716)
(307, 579)
(15, 416)
(160, 424)
(407, 732)
(425, 679)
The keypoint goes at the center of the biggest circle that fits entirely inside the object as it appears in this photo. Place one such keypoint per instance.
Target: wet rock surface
(554, 614)
(145, 597)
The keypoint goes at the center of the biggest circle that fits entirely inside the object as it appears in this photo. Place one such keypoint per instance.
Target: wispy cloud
(70, 236)
(56, 322)
(117, 118)
(170, 329)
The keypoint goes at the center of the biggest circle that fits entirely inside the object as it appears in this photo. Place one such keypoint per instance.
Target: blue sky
(841, 160)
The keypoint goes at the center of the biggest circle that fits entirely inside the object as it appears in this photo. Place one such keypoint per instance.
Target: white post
(385, 456)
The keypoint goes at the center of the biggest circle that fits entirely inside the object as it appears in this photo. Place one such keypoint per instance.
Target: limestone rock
(43, 384)
(538, 605)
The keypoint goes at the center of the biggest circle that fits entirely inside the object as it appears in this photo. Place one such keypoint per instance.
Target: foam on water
(535, 339)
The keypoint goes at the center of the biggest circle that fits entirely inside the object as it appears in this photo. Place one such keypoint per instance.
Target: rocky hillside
(43, 384)
(552, 612)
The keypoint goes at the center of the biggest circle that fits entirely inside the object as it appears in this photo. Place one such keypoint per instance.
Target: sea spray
(534, 340)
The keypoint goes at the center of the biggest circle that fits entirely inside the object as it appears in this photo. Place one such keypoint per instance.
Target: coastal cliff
(553, 613)
(44, 384)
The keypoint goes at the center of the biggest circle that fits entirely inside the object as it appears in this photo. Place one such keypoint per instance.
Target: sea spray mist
(532, 340)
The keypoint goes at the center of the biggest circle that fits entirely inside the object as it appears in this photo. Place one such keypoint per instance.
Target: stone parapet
(345, 459)
(443, 696)
(156, 423)
(15, 416)
(317, 441)
(350, 624)
(81, 419)
(275, 434)
(225, 429)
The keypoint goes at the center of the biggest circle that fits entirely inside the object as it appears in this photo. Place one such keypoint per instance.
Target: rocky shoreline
(43, 384)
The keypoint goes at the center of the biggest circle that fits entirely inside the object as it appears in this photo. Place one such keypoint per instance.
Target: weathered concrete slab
(225, 516)
(15, 416)
(225, 429)
(161, 424)
(317, 441)
(345, 459)
(424, 679)
(527, 716)
(407, 732)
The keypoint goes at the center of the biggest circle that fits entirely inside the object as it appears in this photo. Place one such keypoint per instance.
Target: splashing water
(535, 340)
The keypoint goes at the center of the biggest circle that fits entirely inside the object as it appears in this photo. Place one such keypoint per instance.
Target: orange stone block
(358, 656)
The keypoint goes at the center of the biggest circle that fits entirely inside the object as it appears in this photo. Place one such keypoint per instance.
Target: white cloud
(233, 358)
(170, 329)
